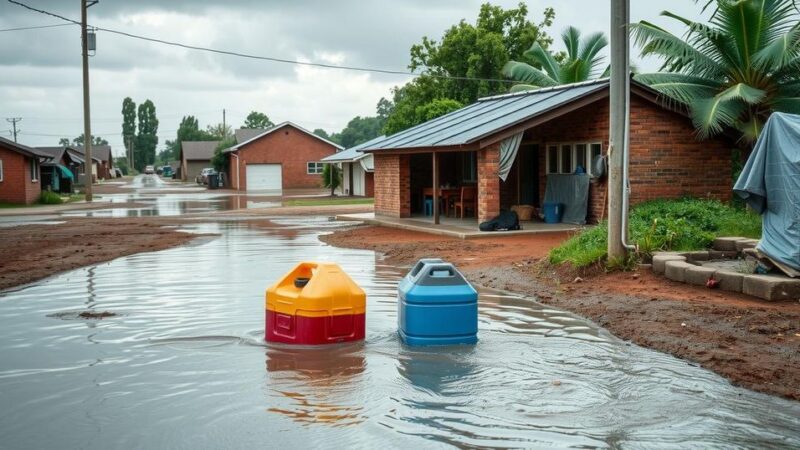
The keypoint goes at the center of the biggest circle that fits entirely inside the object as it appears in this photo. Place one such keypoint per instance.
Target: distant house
(510, 149)
(195, 156)
(76, 154)
(102, 157)
(60, 172)
(357, 170)
(286, 156)
(20, 179)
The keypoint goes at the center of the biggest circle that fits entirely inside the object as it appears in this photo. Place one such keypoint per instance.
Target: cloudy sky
(41, 72)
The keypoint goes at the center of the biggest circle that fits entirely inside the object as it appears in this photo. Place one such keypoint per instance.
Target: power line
(265, 58)
(39, 27)
(13, 121)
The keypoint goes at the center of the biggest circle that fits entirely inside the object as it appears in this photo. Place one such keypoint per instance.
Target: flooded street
(182, 364)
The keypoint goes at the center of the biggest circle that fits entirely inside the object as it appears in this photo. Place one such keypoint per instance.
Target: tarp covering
(65, 172)
(508, 153)
(770, 184)
(572, 191)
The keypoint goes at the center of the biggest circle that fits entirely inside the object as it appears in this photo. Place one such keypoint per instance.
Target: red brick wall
(17, 186)
(488, 182)
(666, 160)
(392, 185)
(369, 182)
(291, 148)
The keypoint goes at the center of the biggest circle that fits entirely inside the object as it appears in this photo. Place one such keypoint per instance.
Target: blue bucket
(553, 212)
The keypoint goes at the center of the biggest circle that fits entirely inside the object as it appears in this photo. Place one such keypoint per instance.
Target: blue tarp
(770, 184)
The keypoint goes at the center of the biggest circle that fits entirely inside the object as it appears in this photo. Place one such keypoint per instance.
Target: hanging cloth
(508, 153)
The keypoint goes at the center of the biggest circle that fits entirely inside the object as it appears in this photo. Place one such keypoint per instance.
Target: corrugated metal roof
(352, 153)
(485, 117)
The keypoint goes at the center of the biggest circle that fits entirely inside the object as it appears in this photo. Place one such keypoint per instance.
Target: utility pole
(224, 127)
(87, 127)
(618, 128)
(13, 121)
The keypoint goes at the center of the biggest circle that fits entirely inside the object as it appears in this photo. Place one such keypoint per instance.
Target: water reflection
(323, 380)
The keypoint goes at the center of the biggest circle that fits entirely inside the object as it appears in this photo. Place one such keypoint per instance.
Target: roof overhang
(276, 128)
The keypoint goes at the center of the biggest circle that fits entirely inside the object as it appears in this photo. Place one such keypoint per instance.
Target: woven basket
(525, 212)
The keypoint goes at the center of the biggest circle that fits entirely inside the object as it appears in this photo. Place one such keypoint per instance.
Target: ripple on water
(183, 364)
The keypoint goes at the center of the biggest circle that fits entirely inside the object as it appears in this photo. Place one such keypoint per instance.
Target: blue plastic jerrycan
(437, 306)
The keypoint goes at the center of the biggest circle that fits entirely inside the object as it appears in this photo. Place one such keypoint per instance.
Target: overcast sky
(41, 69)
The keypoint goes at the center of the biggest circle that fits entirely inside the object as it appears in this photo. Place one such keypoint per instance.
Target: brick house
(195, 156)
(102, 159)
(558, 129)
(19, 172)
(358, 170)
(286, 156)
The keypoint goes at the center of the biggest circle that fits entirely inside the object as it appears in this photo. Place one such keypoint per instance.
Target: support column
(488, 182)
(435, 188)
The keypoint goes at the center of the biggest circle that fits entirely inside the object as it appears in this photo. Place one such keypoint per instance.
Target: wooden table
(445, 193)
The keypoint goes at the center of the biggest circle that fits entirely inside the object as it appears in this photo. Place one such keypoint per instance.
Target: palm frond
(780, 52)
(786, 104)
(744, 92)
(527, 74)
(523, 88)
(572, 40)
(678, 55)
(683, 88)
(574, 71)
(751, 128)
(710, 41)
(544, 58)
(711, 116)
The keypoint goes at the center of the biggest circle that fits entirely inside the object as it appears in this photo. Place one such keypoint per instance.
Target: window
(470, 167)
(314, 168)
(566, 157)
(34, 170)
(1, 170)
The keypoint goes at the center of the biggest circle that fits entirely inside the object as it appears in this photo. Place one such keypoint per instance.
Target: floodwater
(183, 365)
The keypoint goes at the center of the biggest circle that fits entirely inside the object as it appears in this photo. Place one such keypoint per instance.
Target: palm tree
(581, 62)
(732, 72)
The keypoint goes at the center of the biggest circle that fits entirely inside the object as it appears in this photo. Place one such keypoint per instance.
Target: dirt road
(752, 343)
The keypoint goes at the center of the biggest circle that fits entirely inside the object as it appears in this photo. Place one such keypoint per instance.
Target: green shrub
(50, 198)
(685, 224)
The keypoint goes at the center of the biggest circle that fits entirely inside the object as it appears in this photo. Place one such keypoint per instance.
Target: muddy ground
(754, 344)
(33, 252)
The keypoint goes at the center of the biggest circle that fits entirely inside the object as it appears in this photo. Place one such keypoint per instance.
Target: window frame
(34, 170)
(318, 167)
(573, 154)
(469, 167)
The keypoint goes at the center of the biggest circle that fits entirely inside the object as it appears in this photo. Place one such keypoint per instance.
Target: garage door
(264, 178)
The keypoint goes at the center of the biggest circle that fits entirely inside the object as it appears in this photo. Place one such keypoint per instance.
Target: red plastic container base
(304, 330)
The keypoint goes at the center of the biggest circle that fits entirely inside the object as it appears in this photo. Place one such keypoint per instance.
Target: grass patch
(661, 225)
(50, 198)
(328, 201)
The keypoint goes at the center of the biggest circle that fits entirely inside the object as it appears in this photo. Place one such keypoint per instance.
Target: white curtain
(508, 153)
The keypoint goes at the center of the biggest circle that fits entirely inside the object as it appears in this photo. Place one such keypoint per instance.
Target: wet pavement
(182, 364)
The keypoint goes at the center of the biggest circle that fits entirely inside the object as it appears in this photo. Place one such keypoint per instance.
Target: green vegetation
(331, 177)
(473, 54)
(328, 201)
(686, 224)
(734, 71)
(257, 120)
(50, 198)
(188, 130)
(580, 64)
(220, 160)
(78, 141)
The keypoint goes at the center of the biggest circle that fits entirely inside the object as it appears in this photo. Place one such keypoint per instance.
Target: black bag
(507, 220)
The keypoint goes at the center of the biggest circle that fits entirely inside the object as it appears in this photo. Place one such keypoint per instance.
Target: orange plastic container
(315, 303)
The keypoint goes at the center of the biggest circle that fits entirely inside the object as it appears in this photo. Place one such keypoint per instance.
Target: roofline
(24, 149)
(546, 89)
(277, 127)
(332, 158)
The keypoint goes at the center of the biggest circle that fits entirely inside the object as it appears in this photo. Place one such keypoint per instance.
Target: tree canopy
(257, 120)
(128, 122)
(466, 64)
(188, 130)
(78, 141)
(732, 72)
(147, 138)
(580, 63)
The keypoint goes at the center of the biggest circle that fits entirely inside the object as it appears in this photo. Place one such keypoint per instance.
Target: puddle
(184, 365)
